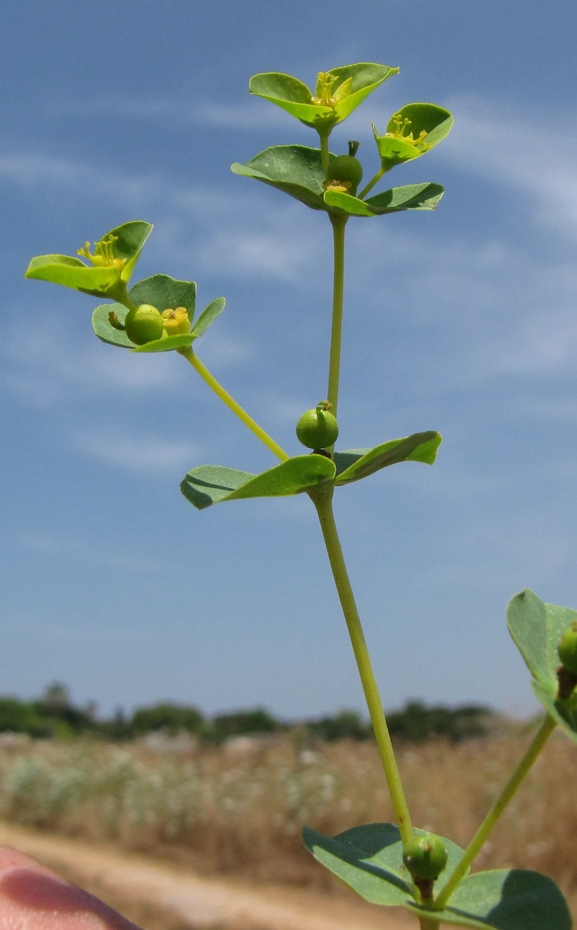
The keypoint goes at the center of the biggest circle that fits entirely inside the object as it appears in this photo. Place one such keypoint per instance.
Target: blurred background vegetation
(54, 715)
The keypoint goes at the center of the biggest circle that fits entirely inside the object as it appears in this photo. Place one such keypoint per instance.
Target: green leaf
(536, 629)
(97, 280)
(365, 77)
(296, 98)
(504, 899)
(211, 484)
(166, 344)
(424, 196)
(71, 272)
(369, 859)
(360, 463)
(291, 95)
(130, 240)
(401, 143)
(563, 712)
(346, 203)
(295, 169)
(207, 316)
(103, 328)
(164, 293)
(411, 197)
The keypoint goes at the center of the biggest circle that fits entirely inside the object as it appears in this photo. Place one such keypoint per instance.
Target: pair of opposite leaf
(108, 274)
(299, 170)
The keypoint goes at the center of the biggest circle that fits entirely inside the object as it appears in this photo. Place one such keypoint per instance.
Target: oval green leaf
(360, 463)
(295, 169)
(563, 712)
(365, 77)
(369, 859)
(296, 98)
(536, 629)
(71, 272)
(345, 203)
(207, 316)
(167, 344)
(424, 196)
(504, 899)
(395, 145)
(211, 484)
(105, 330)
(130, 238)
(164, 293)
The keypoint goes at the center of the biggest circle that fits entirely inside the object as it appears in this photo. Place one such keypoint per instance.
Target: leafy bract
(207, 316)
(424, 196)
(536, 628)
(412, 132)
(337, 93)
(211, 484)
(503, 899)
(163, 292)
(108, 275)
(295, 169)
(360, 463)
(369, 860)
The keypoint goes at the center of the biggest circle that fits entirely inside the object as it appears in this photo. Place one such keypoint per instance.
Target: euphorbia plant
(387, 864)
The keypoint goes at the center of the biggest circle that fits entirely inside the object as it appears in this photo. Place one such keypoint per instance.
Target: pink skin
(34, 898)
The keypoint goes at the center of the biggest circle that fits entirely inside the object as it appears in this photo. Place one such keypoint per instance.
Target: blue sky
(463, 320)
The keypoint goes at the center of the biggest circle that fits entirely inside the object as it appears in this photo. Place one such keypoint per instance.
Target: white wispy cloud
(500, 145)
(179, 112)
(147, 454)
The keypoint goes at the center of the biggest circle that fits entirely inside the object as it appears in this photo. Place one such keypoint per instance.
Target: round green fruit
(347, 169)
(425, 856)
(317, 428)
(144, 324)
(567, 649)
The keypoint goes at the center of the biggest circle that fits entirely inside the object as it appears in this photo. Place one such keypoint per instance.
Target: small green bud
(318, 428)
(425, 856)
(345, 170)
(567, 649)
(144, 324)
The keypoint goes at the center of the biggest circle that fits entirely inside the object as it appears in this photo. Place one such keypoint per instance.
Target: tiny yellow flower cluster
(103, 253)
(324, 90)
(401, 132)
(340, 186)
(176, 321)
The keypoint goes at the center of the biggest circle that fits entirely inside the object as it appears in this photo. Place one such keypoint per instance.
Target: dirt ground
(161, 896)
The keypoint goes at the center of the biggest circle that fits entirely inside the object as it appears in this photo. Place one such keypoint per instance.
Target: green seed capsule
(425, 857)
(317, 428)
(567, 649)
(347, 169)
(144, 324)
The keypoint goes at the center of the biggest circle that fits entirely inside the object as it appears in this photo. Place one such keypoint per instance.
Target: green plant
(371, 859)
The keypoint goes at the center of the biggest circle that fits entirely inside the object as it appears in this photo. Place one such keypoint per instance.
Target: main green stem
(480, 837)
(322, 500)
(231, 403)
(325, 158)
(338, 223)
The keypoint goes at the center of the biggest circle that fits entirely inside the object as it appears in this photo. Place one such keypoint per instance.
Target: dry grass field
(239, 810)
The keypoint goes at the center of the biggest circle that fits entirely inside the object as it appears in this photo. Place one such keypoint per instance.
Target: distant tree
(169, 717)
(417, 722)
(22, 717)
(242, 723)
(345, 725)
(63, 719)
